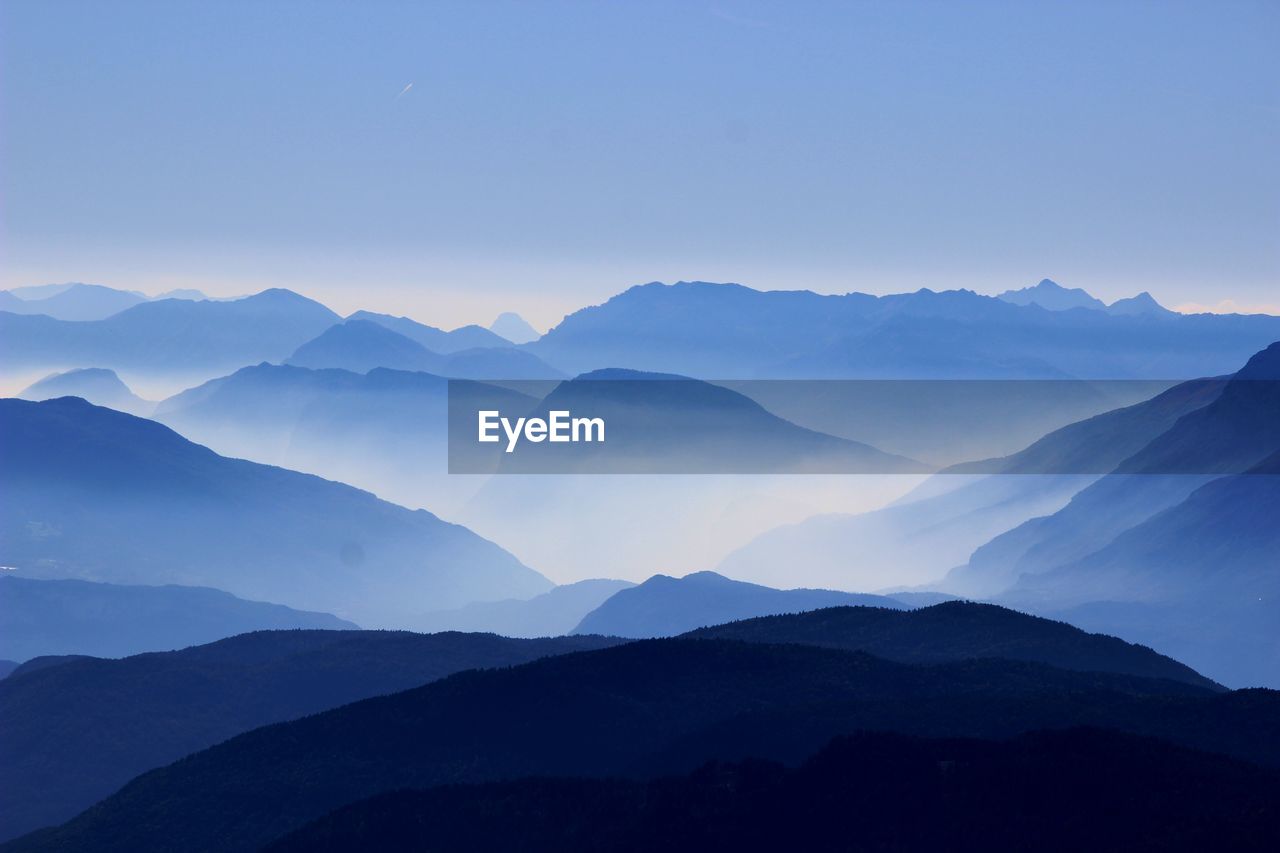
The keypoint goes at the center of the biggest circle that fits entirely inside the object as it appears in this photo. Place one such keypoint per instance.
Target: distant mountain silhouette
(865, 792)
(437, 340)
(513, 327)
(1053, 297)
(115, 719)
(169, 334)
(548, 615)
(7, 667)
(100, 495)
(640, 709)
(73, 301)
(957, 630)
(362, 345)
(714, 331)
(62, 617)
(665, 606)
(98, 385)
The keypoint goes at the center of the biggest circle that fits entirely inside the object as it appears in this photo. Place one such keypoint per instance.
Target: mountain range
(727, 331)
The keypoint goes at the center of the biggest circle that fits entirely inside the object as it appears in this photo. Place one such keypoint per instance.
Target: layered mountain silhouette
(665, 606)
(899, 792)
(646, 708)
(115, 719)
(362, 345)
(169, 334)
(551, 614)
(65, 617)
(728, 331)
(100, 495)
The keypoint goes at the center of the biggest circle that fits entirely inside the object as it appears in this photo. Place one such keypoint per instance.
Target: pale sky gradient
(548, 155)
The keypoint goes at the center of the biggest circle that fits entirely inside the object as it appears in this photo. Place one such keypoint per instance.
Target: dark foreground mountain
(664, 606)
(958, 630)
(1080, 789)
(76, 731)
(71, 617)
(99, 495)
(640, 709)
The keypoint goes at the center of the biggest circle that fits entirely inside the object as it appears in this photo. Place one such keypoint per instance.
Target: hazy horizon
(451, 161)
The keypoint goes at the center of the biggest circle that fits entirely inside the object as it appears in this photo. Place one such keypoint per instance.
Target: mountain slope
(76, 732)
(642, 708)
(65, 617)
(100, 495)
(664, 606)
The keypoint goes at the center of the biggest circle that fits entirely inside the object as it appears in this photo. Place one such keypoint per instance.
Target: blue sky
(550, 154)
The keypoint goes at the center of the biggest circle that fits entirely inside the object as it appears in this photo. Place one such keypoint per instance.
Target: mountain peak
(1051, 296)
(514, 328)
(1143, 303)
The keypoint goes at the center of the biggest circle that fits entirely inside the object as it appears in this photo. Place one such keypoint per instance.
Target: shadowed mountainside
(900, 793)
